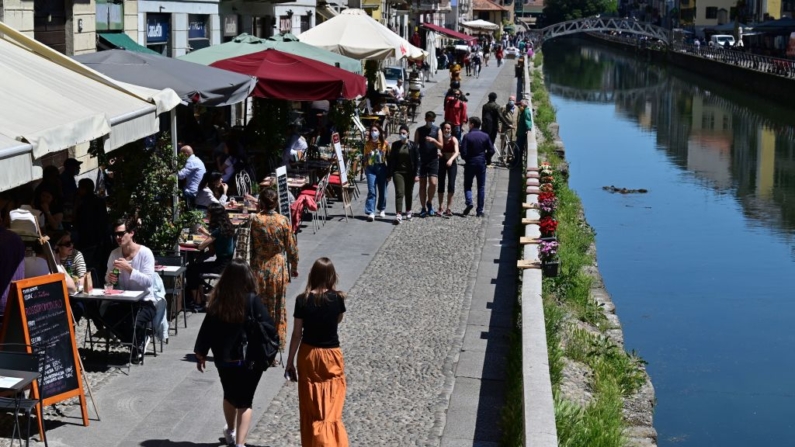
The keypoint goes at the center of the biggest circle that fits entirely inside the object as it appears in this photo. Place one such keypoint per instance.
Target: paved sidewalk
(410, 291)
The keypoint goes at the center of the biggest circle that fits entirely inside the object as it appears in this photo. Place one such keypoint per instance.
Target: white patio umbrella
(481, 25)
(431, 48)
(356, 35)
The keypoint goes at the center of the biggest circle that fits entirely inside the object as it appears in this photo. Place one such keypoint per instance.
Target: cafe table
(130, 297)
(293, 183)
(16, 382)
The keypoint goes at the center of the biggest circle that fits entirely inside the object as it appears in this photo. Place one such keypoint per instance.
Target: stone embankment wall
(638, 408)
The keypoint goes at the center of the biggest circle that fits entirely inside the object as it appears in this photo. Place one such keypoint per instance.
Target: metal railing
(765, 64)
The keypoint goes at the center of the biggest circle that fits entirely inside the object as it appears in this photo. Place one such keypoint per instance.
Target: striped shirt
(77, 262)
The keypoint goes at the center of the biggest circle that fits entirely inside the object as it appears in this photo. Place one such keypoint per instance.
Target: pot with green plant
(548, 255)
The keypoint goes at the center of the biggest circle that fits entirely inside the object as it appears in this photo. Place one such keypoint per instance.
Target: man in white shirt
(295, 144)
(398, 91)
(192, 173)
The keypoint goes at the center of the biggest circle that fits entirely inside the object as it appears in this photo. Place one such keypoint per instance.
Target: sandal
(448, 213)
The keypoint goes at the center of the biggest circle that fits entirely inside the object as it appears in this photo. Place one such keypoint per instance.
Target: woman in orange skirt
(321, 368)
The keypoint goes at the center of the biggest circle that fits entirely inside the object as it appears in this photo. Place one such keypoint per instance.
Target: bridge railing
(766, 64)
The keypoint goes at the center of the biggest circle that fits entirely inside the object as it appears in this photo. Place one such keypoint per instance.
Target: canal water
(702, 267)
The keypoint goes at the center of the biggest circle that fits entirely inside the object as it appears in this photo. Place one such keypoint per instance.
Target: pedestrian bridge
(599, 24)
(605, 96)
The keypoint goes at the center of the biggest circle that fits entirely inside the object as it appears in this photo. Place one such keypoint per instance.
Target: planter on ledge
(550, 268)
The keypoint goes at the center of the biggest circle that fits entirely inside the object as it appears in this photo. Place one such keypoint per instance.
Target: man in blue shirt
(192, 173)
(475, 147)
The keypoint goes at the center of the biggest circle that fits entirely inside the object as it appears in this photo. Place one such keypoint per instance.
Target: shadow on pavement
(492, 390)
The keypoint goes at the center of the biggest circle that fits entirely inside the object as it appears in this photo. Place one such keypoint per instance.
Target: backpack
(261, 342)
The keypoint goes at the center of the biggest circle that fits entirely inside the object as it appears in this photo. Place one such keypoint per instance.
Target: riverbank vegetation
(591, 373)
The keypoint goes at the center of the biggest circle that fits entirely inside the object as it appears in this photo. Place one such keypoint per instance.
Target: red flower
(544, 196)
(546, 179)
(548, 225)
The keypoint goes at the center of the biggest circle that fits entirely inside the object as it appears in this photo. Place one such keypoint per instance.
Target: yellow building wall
(774, 8)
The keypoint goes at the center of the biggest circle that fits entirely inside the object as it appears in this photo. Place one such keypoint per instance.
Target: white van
(719, 40)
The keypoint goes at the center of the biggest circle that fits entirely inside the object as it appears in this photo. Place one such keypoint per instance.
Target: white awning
(50, 103)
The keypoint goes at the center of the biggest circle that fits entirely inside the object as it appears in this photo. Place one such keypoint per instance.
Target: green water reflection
(701, 268)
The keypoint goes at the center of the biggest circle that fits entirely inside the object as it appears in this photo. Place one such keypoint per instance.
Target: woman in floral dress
(272, 239)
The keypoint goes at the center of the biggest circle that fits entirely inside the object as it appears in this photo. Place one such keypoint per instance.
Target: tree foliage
(556, 11)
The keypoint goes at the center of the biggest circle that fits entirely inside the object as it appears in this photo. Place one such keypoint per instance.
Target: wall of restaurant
(175, 28)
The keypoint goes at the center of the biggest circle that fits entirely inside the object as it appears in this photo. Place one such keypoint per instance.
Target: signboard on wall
(230, 26)
(197, 26)
(157, 28)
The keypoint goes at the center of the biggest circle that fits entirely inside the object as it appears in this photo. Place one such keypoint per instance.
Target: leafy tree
(144, 185)
(556, 11)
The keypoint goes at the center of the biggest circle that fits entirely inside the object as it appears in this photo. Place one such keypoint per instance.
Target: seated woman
(37, 266)
(221, 238)
(75, 266)
(212, 189)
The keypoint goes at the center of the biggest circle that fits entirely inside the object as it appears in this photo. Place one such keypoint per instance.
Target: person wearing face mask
(508, 116)
(376, 151)
(447, 167)
(404, 168)
(428, 139)
(455, 112)
(475, 147)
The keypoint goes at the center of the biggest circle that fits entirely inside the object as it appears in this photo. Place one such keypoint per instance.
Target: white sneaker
(370, 217)
(381, 215)
(398, 219)
(229, 436)
(408, 215)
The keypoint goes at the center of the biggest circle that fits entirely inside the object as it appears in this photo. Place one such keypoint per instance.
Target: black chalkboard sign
(283, 192)
(38, 318)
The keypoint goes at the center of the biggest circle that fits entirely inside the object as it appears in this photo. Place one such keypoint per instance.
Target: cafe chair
(156, 328)
(175, 289)
(243, 183)
(334, 181)
(24, 362)
(318, 193)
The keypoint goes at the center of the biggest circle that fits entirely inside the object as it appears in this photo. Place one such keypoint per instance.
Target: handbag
(262, 340)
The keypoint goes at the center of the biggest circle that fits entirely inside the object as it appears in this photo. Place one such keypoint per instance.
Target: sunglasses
(65, 244)
(119, 233)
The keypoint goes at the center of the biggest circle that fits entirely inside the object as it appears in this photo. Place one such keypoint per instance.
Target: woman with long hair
(271, 239)
(212, 189)
(448, 168)
(223, 331)
(221, 239)
(404, 167)
(376, 150)
(320, 369)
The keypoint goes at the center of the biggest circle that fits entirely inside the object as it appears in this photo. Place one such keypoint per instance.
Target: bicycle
(508, 150)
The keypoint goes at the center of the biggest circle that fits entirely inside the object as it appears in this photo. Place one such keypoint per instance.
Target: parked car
(719, 40)
(392, 74)
(511, 53)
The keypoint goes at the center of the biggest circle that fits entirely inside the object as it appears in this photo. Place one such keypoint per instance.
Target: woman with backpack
(320, 369)
(233, 301)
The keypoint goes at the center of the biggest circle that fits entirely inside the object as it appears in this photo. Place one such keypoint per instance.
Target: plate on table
(114, 292)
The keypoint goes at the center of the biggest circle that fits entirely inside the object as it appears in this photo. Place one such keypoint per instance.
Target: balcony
(431, 6)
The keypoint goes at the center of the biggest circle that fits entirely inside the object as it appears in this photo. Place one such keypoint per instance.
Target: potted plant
(548, 254)
(545, 170)
(548, 225)
(547, 203)
(546, 187)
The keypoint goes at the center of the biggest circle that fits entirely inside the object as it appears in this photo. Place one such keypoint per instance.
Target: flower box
(550, 269)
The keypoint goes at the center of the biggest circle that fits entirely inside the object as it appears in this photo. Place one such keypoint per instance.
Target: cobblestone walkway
(403, 329)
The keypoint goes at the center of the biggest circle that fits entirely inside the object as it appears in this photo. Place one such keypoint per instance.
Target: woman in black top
(223, 331)
(404, 167)
(321, 368)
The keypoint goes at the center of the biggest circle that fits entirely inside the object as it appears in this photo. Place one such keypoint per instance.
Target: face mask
(404, 136)
(374, 134)
(511, 103)
(447, 134)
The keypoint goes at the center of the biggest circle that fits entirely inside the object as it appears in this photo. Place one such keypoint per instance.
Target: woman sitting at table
(271, 239)
(136, 266)
(212, 189)
(73, 263)
(221, 237)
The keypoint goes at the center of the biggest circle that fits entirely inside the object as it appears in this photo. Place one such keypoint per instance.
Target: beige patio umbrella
(480, 24)
(356, 35)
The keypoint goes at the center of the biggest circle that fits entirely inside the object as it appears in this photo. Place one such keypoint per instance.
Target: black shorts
(239, 384)
(430, 169)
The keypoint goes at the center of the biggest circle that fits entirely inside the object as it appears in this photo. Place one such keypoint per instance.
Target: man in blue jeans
(475, 147)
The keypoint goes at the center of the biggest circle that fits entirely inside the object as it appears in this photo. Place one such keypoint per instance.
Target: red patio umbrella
(287, 76)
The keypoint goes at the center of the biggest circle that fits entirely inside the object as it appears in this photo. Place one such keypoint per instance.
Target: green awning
(123, 42)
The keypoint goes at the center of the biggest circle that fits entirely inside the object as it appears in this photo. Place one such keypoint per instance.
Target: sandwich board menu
(283, 192)
(38, 318)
